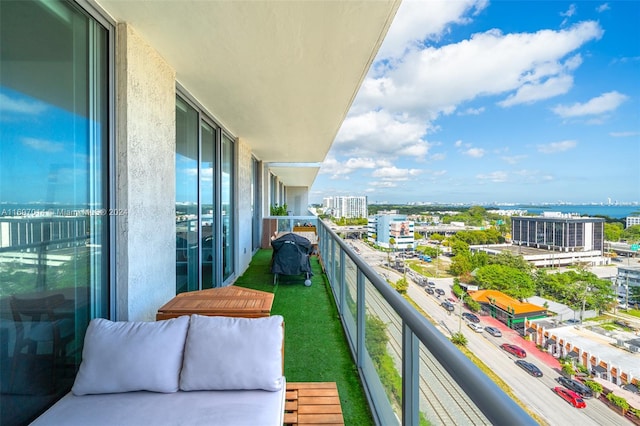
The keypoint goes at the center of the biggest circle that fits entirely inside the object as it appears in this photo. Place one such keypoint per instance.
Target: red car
(515, 350)
(570, 396)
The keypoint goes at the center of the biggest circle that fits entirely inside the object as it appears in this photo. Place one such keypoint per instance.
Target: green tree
(511, 260)
(631, 234)
(437, 237)
(613, 231)
(506, 279)
(461, 264)
(402, 285)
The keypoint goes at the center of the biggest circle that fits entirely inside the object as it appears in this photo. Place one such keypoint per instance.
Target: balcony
(391, 365)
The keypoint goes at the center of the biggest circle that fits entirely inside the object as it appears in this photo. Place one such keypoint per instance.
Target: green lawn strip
(316, 349)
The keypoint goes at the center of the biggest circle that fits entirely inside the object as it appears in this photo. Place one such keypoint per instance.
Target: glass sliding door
(54, 139)
(208, 205)
(187, 221)
(255, 203)
(227, 203)
(204, 201)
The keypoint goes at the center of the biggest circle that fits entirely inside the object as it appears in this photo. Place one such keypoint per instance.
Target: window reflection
(53, 211)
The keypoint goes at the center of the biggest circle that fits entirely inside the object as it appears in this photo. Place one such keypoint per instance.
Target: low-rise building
(506, 309)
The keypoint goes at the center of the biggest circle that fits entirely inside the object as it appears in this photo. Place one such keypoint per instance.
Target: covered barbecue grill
(291, 257)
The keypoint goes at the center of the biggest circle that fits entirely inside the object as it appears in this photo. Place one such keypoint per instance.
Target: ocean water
(612, 211)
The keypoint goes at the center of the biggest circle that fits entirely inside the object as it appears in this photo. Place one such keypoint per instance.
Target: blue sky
(504, 101)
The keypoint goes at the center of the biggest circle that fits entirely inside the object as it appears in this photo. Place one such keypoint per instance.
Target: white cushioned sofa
(195, 370)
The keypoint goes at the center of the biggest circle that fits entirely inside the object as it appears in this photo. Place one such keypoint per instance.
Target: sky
(479, 102)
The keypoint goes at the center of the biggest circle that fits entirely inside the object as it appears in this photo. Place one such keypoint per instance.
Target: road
(536, 393)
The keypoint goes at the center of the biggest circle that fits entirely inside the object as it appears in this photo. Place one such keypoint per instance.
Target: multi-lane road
(535, 393)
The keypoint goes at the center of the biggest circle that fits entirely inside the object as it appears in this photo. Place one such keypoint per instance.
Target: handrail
(497, 406)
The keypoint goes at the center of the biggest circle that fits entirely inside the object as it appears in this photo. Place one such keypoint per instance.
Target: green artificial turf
(316, 349)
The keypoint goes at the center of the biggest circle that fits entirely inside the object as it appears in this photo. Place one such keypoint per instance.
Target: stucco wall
(243, 197)
(145, 178)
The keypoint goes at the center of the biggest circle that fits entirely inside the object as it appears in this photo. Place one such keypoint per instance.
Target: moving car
(493, 331)
(515, 350)
(581, 389)
(475, 327)
(470, 317)
(448, 306)
(529, 368)
(429, 290)
(570, 396)
(440, 291)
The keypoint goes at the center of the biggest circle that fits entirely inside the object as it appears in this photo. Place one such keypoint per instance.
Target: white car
(475, 327)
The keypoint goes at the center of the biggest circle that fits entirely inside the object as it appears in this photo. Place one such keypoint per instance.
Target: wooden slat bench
(312, 403)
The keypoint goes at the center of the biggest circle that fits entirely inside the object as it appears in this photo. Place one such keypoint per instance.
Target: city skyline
(467, 103)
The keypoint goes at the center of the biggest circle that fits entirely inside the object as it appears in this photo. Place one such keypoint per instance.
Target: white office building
(633, 220)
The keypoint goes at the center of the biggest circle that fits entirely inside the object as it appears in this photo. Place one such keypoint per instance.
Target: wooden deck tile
(312, 403)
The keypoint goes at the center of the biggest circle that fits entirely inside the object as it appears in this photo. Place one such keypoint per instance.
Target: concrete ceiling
(280, 75)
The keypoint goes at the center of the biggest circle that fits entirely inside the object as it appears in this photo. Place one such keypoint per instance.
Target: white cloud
(395, 174)
(417, 21)
(496, 177)
(472, 111)
(9, 105)
(384, 184)
(433, 81)
(514, 159)
(380, 133)
(603, 7)
(623, 134)
(475, 152)
(43, 145)
(341, 169)
(554, 147)
(536, 91)
(604, 103)
(568, 14)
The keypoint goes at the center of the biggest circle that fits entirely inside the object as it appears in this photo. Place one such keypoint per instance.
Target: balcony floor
(316, 349)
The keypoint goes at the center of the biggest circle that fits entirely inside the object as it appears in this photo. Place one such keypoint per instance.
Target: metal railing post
(410, 377)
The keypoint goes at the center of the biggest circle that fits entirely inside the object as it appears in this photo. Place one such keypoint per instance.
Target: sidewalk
(513, 337)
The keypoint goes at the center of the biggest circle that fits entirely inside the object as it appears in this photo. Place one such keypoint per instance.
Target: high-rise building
(568, 234)
(348, 207)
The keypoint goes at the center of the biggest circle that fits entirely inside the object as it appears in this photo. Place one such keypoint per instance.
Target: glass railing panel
(348, 299)
(441, 400)
(336, 270)
(382, 363)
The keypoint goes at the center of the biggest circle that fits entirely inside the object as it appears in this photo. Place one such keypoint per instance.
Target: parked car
(493, 331)
(475, 327)
(570, 396)
(429, 290)
(440, 291)
(529, 368)
(581, 389)
(448, 306)
(470, 317)
(431, 283)
(515, 350)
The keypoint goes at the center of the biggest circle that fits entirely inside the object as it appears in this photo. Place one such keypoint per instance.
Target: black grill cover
(291, 255)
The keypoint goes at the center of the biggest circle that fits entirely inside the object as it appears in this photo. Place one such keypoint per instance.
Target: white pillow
(131, 356)
(225, 353)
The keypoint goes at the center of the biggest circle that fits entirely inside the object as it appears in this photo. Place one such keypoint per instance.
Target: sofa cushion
(225, 353)
(131, 356)
(198, 408)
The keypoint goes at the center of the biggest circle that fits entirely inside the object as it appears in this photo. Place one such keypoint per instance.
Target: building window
(54, 213)
(205, 222)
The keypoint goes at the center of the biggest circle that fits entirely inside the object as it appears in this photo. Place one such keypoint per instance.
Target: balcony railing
(411, 372)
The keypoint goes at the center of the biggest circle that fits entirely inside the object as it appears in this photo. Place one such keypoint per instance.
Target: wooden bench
(312, 403)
